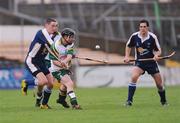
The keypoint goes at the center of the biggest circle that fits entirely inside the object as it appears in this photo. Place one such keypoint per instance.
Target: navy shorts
(150, 66)
(35, 66)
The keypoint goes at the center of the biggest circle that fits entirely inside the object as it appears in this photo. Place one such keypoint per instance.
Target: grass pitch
(100, 105)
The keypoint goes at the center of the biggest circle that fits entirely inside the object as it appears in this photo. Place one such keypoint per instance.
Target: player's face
(69, 39)
(52, 27)
(143, 28)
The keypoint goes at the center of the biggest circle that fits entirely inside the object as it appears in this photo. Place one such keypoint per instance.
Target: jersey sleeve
(40, 38)
(156, 44)
(131, 42)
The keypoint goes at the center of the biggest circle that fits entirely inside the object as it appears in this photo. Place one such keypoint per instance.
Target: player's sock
(38, 99)
(62, 99)
(73, 99)
(162, 95)
(131, 90)
(46, 95)
(62, 95)
(24, 87)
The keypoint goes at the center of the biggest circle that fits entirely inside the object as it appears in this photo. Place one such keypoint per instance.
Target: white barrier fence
(119, 76)
(17, 33)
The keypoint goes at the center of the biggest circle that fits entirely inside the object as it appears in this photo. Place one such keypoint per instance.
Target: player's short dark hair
(67, 32)
(144, 21)
(49, 20)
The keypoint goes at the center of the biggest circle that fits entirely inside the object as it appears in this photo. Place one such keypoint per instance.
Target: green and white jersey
(62, 51)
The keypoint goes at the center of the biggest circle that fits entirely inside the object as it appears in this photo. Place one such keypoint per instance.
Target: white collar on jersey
(70, 45)
(144, 39)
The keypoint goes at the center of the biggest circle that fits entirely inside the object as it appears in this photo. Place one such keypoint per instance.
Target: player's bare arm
(127, 54)
(60, 64)
(157, 55)
(67, 59)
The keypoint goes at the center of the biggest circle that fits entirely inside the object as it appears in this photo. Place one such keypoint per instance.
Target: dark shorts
(35, 66)
(151, 67)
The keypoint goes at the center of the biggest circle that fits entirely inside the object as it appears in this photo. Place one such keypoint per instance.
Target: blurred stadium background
(108, 23)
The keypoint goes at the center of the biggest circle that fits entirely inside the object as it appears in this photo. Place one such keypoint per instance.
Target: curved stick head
(172, 53)
(105, 62)
(166, 57)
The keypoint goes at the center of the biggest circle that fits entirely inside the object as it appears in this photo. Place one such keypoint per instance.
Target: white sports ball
(97, 47)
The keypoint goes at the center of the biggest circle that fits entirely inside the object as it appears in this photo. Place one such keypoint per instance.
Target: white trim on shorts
(30, 65)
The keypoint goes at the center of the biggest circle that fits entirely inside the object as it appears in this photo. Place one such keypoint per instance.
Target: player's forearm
(127, 51)
(68, 58)
(57, 63)
(157, 53)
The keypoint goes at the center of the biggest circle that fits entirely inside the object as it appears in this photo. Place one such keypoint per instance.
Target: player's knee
(70, 84)
(134, 78)
(63, 87)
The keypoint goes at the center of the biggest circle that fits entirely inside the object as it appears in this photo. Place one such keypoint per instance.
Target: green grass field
(100, 105)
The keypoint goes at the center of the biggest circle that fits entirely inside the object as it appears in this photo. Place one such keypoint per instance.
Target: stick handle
(151, 59)
(51, 52)
(89, 59)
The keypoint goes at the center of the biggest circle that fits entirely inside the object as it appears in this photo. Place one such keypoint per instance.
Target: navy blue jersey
(37, 48)
(144, 48)
(35, 60)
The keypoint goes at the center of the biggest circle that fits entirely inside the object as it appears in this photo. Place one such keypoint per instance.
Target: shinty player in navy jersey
(35, 62)
(26, 83)
(146, 46)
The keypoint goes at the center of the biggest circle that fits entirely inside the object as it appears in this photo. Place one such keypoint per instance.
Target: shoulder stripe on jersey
(130, 38)
(156, 40)
(34, 50)
(47, 36)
